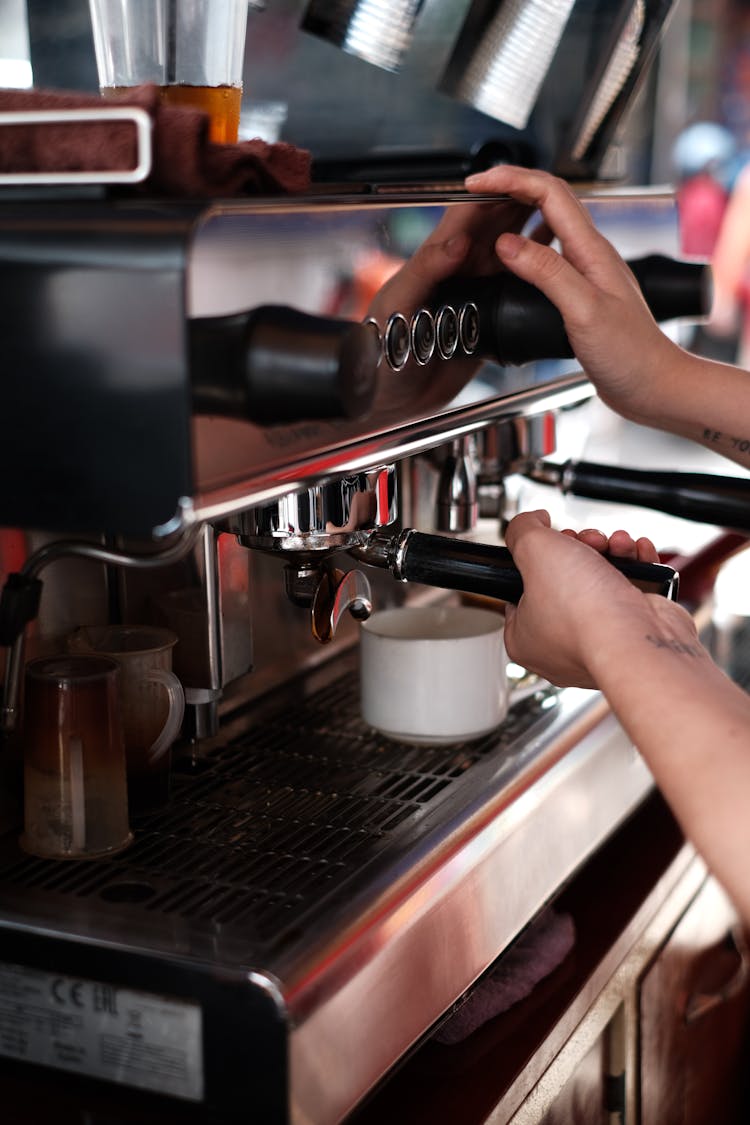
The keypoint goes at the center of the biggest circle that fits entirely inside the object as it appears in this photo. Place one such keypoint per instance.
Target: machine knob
(518, 324)
(275, 364)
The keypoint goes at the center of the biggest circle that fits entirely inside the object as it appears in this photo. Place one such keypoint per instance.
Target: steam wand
(20, 597)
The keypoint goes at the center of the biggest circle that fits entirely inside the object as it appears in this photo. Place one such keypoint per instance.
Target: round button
(446, 331)
(468, 327)
(423, 336)
(397, 341)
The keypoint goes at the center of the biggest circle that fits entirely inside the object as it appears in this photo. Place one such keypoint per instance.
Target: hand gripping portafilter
(308, 530)
(480, 568)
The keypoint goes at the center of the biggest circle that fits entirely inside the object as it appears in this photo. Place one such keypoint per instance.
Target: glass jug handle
(172, 726)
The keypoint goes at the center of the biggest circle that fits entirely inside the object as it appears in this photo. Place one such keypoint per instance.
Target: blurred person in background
(730, 262)
(704, 157)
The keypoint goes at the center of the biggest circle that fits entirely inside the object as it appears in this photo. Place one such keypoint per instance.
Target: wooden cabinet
(675, 1052)
(585, 1096)
(646, 1022)
(693, 1020)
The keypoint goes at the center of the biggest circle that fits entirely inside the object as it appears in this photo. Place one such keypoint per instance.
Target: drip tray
(307, 876)
(284, 823)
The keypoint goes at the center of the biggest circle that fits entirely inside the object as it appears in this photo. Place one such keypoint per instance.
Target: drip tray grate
(281, 822)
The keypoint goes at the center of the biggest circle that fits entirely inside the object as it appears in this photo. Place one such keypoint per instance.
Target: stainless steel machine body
(314, 898)
(212, 416)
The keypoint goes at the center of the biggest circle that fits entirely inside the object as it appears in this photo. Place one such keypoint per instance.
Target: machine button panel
(447, 332)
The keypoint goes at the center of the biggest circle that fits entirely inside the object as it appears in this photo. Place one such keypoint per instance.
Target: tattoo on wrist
(675, 646)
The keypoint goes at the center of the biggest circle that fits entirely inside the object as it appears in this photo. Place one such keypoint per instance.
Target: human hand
(564, 622)
(607, 320)
(463, 242)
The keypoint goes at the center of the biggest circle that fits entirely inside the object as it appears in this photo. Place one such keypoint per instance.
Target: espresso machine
(302, 862)
(212, 418)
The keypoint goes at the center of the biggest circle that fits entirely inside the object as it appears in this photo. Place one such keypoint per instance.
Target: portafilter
(356, 515)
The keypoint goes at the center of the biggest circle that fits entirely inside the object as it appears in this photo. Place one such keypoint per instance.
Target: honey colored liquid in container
(221, 103)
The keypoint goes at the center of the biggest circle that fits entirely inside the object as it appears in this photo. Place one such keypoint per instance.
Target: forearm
(637, 369)
(692, 726)
(699, 399)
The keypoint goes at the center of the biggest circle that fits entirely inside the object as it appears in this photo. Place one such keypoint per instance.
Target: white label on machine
(134, 1038)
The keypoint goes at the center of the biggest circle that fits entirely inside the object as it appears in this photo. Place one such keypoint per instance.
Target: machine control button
(397, 341)
(423, 336)
(446, 331)
(468, 327)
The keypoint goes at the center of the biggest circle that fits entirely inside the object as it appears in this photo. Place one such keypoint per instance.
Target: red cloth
(185, 163)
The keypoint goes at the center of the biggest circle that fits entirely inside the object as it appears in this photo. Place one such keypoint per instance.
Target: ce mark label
(68, 992)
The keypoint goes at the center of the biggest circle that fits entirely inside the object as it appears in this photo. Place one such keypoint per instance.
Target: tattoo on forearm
(716, 437)
(675, 646)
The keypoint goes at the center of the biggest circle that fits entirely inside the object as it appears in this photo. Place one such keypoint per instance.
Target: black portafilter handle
(479, 568)
(701, 497)
(518, 324)
(275, 364)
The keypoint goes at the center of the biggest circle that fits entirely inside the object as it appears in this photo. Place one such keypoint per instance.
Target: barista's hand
(620, 544)
(608, 322)
(463, 242)
(573, 600)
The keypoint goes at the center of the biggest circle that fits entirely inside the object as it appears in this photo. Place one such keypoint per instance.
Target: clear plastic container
(152, 703)
(75, 795)
(193, 50)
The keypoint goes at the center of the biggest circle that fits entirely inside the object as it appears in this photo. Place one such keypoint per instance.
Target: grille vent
(274, 827)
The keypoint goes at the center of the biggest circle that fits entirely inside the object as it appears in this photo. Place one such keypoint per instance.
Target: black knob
(518, 324)
(673, 288)
(276, 364)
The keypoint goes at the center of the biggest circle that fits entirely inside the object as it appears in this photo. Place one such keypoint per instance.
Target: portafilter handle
(701, 497)
(481, 568)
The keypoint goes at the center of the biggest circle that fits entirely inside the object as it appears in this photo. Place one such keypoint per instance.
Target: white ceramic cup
(433, 674)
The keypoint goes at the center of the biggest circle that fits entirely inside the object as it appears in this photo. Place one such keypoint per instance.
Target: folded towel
(539, 950)
(185, 163)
